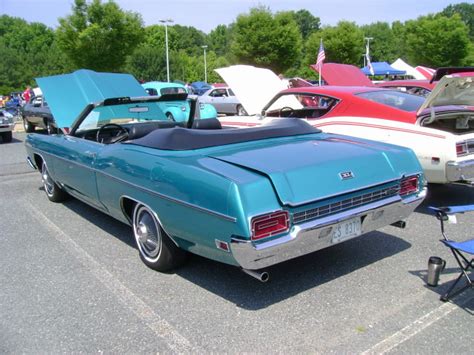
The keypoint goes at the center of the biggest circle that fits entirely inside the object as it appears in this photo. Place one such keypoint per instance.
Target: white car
(439, 129)
(224, 100)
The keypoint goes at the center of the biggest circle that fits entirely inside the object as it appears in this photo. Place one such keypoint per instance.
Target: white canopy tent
(400, 64)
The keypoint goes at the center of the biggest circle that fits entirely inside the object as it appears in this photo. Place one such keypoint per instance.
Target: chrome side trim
(460, 171)
(144, 189)
(317, 234)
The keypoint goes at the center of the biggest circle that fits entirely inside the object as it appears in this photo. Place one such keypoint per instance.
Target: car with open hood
(247, 197)
(439, 128)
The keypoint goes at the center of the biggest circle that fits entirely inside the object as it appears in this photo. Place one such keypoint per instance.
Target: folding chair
(457, 248)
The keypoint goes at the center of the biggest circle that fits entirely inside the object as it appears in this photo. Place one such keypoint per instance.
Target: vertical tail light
(269, 224)
(461, 149)
(408, 185)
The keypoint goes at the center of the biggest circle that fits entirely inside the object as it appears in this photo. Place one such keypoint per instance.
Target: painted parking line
(418, 325)
(172, 338)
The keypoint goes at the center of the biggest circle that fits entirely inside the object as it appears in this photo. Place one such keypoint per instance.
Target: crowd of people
(16, 100)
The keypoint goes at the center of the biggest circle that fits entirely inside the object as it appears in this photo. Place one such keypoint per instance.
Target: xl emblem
(346, 175)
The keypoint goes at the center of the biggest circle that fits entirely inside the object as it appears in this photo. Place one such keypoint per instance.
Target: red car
(424, 87)
(439, 128)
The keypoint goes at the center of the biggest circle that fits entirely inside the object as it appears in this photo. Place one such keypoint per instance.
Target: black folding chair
(457, 248)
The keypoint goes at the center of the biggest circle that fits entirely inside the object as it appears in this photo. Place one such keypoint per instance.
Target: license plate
(346, 229)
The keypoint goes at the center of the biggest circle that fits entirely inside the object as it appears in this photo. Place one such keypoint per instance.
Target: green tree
(99, 35)
(147, 63)
(189, 39)
(343, 43)
(465, 11)
(436, 41)
(307, 23)
(219, 40)
(28, 50)
(263, 39)
(382, 46)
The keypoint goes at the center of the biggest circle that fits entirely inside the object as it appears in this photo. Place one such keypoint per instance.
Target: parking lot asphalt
(71, 281)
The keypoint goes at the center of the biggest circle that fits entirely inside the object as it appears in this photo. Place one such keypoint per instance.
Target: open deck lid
(451, 90)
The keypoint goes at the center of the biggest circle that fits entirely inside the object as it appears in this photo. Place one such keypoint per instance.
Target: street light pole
(205, 64)
(165, 22)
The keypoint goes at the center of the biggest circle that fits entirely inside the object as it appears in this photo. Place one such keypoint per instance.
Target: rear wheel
(53, 191)
(156, 248)
(241, 111)
(7, 137)
(28, 126)
(170, 117)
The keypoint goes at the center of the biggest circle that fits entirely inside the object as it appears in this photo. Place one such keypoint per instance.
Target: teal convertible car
(249, 197)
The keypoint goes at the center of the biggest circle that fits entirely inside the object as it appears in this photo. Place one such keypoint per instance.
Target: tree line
(103, 37)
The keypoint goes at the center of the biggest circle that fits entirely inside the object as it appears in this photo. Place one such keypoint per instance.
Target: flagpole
(321, 64)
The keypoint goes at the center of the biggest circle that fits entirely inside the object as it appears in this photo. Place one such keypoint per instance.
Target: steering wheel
(121, 133)
(286, 112)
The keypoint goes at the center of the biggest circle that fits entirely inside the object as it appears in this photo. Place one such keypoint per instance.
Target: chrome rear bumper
(7, 127)
(460, 171)
(317, 234)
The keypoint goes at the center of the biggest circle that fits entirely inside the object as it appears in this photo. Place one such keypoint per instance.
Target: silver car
(224, 100)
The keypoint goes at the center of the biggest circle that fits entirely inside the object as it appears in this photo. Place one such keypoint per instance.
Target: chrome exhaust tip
(400, 224)
(261, 276)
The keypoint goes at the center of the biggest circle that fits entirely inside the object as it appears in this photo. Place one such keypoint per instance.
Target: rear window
(177, 90)
(393, 98)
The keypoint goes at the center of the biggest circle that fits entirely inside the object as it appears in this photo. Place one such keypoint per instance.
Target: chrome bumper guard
(314, 235)
(460, 171)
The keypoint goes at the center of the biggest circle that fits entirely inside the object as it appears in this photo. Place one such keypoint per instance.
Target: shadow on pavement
(465, 300)
(446, 195)
(294, 276)
(286, 279)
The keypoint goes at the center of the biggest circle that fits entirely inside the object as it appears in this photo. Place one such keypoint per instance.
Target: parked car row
(439, 128)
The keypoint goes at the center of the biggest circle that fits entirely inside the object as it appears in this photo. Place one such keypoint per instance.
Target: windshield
(123, 114)
(393, 98)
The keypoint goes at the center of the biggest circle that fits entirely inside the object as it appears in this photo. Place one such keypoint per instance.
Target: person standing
(27, 94)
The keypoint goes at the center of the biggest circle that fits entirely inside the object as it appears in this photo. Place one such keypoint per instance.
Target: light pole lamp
(205, 63)
(165, 22)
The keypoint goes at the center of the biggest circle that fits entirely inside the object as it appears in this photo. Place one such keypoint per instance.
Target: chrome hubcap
(147, 233)
(47, 181)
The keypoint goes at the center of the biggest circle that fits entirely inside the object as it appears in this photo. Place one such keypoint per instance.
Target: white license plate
(346, 229)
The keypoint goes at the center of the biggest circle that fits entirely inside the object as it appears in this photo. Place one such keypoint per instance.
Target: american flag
(321, 55)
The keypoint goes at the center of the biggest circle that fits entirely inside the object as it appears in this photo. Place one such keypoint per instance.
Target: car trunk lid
(451, 90)
(302, 171)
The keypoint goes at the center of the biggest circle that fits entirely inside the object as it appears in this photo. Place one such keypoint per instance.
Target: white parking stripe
(175, 341)
(418, 325)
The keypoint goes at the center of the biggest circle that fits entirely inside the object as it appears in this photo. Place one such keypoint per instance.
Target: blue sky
(207, 14)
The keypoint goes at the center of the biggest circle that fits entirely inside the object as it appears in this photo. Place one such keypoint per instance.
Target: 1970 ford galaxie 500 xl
(249, 197)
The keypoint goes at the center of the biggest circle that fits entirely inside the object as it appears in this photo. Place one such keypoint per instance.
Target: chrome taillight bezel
(281, 218)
